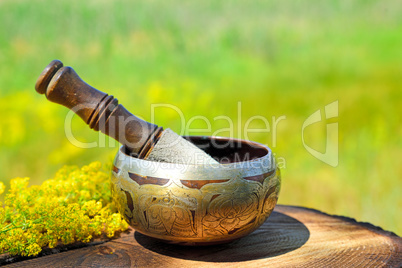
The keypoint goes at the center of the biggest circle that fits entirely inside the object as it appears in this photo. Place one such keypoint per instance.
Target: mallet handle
(99, 110)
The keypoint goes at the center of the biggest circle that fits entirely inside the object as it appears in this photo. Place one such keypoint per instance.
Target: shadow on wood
(273, 242)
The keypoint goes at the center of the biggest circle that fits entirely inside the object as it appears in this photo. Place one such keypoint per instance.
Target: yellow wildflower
(73, 206)
(2, 187)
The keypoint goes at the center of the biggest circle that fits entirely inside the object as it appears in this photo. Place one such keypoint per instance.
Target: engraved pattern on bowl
(195, 205)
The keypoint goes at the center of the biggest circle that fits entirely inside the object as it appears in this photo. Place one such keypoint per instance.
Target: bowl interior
(226, 150)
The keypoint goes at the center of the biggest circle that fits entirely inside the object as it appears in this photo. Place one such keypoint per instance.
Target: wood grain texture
(291, 237)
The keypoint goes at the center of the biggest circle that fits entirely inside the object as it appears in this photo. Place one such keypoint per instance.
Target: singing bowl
(198, 204)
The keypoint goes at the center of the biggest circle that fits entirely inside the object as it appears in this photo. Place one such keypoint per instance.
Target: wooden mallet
(102, 113)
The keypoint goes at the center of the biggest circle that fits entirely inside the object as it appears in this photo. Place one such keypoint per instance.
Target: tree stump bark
(291, 237)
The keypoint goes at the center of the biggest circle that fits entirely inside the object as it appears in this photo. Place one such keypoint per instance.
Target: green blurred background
(278, 58)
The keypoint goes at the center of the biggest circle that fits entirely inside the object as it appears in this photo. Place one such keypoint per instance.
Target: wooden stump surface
(291, 237)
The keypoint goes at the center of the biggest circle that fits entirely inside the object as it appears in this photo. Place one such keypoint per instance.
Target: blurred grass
(277, 58)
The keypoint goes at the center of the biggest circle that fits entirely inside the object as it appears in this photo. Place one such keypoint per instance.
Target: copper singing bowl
(197, 204)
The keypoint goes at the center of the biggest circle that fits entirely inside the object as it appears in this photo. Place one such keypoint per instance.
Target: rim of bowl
(257, 166)
(248, 142)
